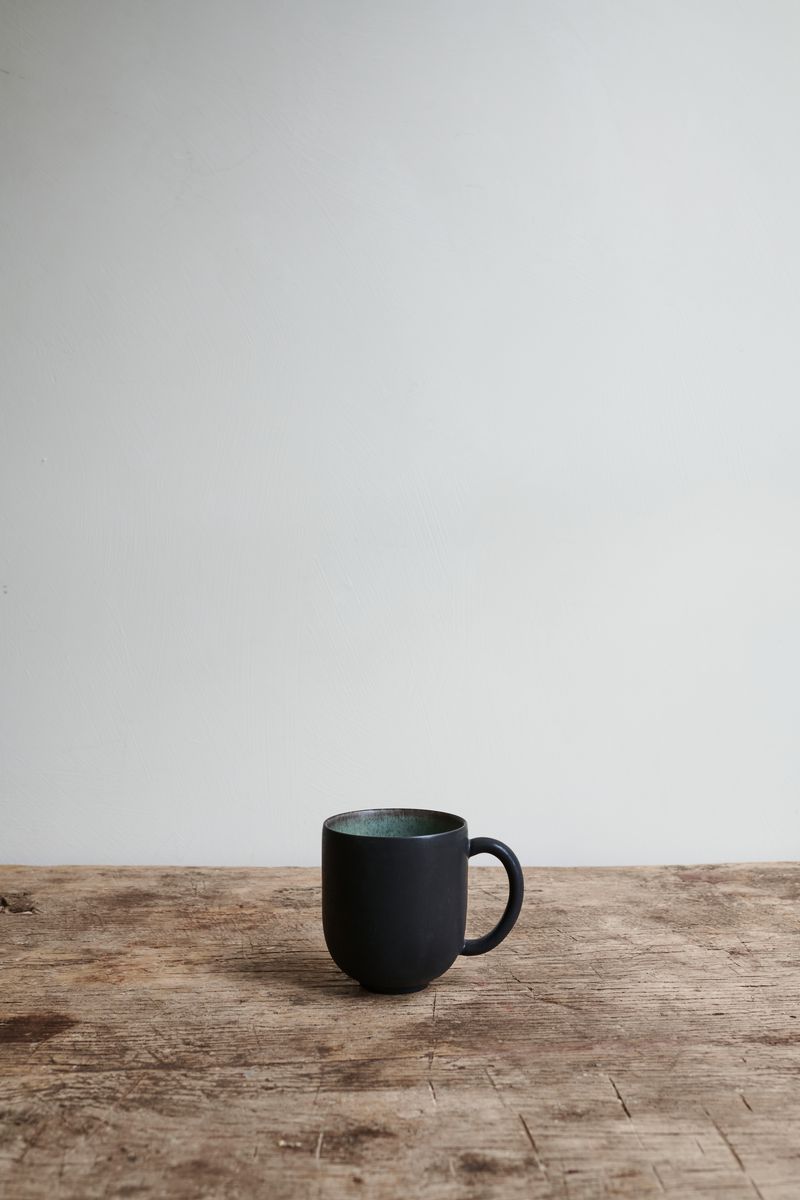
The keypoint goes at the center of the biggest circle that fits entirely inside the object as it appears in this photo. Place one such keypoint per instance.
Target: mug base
(393, 991)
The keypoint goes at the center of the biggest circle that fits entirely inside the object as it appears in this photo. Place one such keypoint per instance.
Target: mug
(394, 895)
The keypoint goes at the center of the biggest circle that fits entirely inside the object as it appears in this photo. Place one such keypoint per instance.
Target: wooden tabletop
(184, 1033)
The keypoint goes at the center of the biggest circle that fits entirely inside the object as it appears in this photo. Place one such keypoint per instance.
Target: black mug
(394, 895)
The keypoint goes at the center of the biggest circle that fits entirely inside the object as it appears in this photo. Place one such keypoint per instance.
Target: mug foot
(393, 991)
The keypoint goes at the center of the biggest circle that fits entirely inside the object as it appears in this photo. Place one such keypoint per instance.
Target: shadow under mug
(394, 895)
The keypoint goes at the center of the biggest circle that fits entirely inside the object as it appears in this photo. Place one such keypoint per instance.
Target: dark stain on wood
(480, 1164)
(16, 903)
(775, 1039)
(349, 1145)
(34, 1027)
(203, 1174)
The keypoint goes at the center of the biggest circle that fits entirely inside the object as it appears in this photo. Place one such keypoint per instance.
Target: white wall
(399, 406)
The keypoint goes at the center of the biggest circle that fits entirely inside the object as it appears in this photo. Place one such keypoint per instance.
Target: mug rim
(459, 824)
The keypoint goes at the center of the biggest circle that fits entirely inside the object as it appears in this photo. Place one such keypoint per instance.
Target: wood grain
(184, 1033)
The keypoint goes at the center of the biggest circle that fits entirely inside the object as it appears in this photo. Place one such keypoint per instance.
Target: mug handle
(516, 890)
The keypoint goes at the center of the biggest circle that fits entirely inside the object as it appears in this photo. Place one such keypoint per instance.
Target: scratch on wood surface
(726, 1140)
(621, 1099)
(432, 1051)
(734, 1153)
(537, 1157)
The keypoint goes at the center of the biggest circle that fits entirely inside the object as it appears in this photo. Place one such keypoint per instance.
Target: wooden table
(184, 1033)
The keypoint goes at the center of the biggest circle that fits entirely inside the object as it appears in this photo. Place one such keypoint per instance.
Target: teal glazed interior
(394, 822)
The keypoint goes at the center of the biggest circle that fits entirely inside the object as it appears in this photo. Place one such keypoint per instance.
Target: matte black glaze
(394, 903)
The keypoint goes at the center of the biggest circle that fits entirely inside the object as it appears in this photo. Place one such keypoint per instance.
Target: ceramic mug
(394, 895)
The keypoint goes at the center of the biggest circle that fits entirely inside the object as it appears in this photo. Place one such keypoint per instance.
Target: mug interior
(394, 822)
